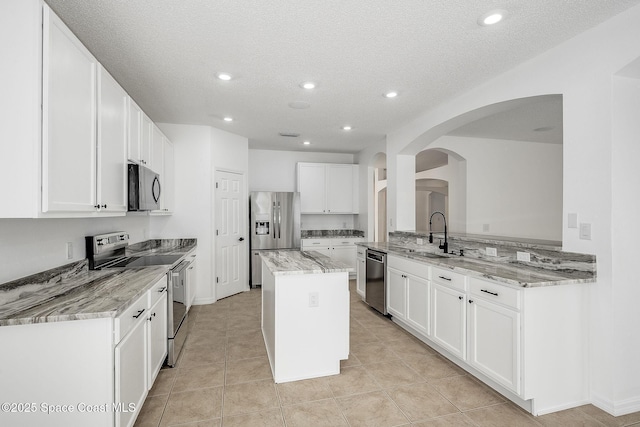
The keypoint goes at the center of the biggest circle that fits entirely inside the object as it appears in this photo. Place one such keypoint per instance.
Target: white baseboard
(618, 408)
(204, 301)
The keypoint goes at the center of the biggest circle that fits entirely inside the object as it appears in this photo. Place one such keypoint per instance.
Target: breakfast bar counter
(305, 314)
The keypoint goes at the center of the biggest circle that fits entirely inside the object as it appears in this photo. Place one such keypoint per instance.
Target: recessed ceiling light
(224, 76)
(391, 94)
(308, 85)
(347, 127)
(228, 119)
(492, 17)
(306, 142)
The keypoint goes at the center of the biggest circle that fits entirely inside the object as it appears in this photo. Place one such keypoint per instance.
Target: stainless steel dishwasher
(376, 284)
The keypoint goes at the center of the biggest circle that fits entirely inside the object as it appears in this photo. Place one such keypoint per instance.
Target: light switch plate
(585, 231)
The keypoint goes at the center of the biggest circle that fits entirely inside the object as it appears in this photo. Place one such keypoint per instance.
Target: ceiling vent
(289, 134)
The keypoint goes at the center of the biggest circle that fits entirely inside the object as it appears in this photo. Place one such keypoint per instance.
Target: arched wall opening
(503, 169)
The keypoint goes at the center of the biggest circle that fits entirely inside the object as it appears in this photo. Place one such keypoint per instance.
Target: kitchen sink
(424, 253)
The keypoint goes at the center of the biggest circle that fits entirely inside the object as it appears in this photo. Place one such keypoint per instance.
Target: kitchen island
(305, 313)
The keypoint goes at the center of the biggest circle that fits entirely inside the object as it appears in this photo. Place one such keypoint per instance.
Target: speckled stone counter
(287, 262)
(512, 273)
(320, 234)
(73, 292)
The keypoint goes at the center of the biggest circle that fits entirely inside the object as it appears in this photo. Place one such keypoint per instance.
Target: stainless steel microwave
(144, 189)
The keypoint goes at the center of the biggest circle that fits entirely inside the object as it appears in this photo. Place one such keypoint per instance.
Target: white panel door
(131, 372)
(112, 144)
(157, 338)
(69, 121)
(231, 244)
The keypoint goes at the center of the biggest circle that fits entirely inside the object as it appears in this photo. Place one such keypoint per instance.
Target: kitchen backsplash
(547, 255)
(330, 233)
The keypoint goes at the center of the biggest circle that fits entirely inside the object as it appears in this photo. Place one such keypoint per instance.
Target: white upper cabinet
(112, 144)
(339, 179)
(166, 202)
(327, 188)
(134, 133)
(69, 126)
(157, 151)
(69, 121)
(312, 188)
(145, 141)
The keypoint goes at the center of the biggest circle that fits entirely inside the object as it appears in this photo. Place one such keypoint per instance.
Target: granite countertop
(289, 262)
(73, 292)
(331, 234)
(514, 274)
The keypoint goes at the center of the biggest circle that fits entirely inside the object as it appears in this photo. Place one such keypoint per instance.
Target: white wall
(29, 246)
(271, 170)
(193, 201)
(365, 158)
(514, 187)
(581, 70)
(199, 151)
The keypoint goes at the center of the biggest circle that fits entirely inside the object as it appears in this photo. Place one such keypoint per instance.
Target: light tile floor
(223, 378)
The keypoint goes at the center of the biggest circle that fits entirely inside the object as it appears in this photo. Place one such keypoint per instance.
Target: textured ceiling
(165, 53)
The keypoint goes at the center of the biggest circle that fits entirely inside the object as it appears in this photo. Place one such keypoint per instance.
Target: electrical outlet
(313, 299)
(572, 220)
(523, 256)
(419, 241)
(69, 250)
(485, 228)
(492, 252)
(585, 231)
(344, 225)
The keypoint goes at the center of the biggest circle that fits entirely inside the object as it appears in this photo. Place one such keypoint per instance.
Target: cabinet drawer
(127, 320)
(411, 267)
(343, 242)
(157, 290)
(448, 278)
(310, 244)
(495, 292)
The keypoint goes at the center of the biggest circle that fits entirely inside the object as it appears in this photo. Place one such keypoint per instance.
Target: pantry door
(231, 267)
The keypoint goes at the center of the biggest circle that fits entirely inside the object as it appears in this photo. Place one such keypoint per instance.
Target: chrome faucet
(445, 246)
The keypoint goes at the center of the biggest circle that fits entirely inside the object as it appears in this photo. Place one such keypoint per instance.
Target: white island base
(305, 323)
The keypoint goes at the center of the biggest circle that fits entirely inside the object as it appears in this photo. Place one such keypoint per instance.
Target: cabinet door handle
(489, 292)
(161, 290)
(139, 313)
(470, 301)
(459, 297)
(445, 278)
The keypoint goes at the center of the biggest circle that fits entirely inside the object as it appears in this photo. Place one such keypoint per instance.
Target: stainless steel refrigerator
(274, 223)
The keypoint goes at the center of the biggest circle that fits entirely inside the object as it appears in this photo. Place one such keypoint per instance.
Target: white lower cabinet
(494, 342)
(99, 370)
(449, 315)
(131, 372)
(396, 293)
(157, 338)
(408, 293)
(418, 303)
(499, 333)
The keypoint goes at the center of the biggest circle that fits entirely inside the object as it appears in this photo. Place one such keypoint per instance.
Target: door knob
(241, 239)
